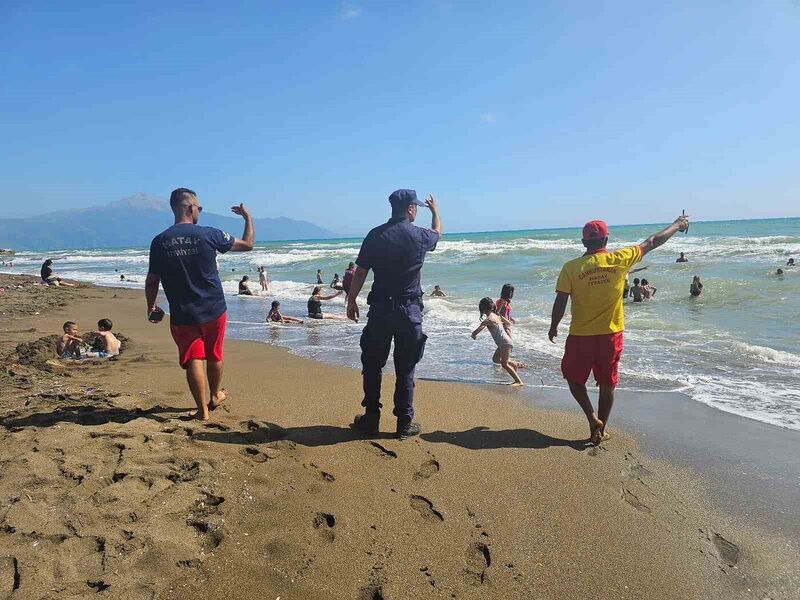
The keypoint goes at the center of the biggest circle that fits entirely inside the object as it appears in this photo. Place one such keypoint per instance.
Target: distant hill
(132, 221)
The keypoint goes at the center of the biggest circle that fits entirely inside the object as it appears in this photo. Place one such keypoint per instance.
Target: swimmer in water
(696, 287)
(437, 292)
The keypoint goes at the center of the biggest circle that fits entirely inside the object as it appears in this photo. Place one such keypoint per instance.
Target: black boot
(407, 429)
(367, 423)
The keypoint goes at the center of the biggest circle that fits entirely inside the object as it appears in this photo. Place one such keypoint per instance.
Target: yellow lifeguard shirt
(595, 283)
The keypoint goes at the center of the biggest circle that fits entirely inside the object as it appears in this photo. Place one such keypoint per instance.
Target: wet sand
(106, 485)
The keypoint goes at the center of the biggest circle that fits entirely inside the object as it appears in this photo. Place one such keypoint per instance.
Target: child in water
(500, 328)
(503, 303)
(274, 315)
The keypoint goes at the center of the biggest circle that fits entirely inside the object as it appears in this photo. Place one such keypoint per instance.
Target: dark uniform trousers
(400, 320)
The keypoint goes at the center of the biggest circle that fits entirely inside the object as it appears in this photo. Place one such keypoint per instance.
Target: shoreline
(277, 494)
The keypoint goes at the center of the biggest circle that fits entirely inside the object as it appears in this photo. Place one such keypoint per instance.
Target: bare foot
(222, 395)
(196, 414)
(596, 432)
(517, 384)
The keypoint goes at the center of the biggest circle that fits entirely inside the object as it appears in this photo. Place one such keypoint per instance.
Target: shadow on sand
(483, 438)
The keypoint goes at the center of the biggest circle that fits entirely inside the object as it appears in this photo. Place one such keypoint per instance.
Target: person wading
(183, 261)
(395, 251)
(595, 282)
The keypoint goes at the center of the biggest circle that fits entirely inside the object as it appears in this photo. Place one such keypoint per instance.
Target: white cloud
(350, 11)
(489, 117)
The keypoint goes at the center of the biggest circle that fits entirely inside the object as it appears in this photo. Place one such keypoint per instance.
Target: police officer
(395, 251)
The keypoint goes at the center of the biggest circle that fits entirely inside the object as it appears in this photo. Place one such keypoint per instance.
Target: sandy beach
(106, 486)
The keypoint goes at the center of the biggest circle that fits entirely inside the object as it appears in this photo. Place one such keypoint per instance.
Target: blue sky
(514, 114)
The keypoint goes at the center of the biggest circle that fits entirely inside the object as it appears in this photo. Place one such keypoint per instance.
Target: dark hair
(246, 278)
(105, 324)
(507, 293)
(68, 324)
(275, 304)
(48, 262)
(645, 282)
(595, 244)
(316, 290)
(351, 265)
(636, 281)
(177, 197)
(486, 304)
(336, 276)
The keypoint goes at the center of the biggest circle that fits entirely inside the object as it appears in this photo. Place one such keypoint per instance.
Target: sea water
(736, 347)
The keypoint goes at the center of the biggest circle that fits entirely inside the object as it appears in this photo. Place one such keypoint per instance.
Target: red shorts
(203, 341)
(586, 353)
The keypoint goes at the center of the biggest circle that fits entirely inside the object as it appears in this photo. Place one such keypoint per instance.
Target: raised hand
(241, 211)
(431, 203)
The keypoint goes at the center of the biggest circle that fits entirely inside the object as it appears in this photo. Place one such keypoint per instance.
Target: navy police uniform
(395, 251)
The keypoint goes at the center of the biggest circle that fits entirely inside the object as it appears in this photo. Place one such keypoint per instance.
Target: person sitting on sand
(649, 291)
(49, 278)
(315, 305)
(437, 292)
(696, 287)
(244, 286)
(70, 346)
(274, 315)
(336, 284)
(319, 277)
(682, 259)
(111, 344)
(503, 303)
(500, 328)
(263, 279)
(790, 262)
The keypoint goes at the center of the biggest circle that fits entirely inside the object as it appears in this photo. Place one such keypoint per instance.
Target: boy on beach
(111, 344)
(595, 282)
(69, 346)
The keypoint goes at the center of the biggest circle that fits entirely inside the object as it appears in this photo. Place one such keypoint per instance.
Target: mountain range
(132, 221)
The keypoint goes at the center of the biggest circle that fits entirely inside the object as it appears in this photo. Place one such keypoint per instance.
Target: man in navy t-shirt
(183, 261)
(395, 251)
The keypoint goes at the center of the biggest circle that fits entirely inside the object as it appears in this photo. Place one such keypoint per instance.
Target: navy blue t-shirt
(395, 251)
(184, 257)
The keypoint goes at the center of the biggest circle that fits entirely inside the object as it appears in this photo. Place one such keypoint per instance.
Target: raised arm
(359, 277)
(331, 297)
(245, 243)
(660, 238)
(436, 219)
(559, 307)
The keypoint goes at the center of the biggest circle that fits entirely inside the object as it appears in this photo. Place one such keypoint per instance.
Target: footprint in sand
(9, 576)
(261, 456)
(634, 501)
(324, 475)
(325, 523)
(425, 508)
(427, 469)
(478, 561)
(725, 550)
(383, 450)
(210, 532)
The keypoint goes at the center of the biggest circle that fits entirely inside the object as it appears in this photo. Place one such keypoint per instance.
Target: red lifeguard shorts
(586, 353)
(202, 341)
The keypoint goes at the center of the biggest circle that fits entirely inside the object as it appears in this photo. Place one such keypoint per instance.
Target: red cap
(595, 230)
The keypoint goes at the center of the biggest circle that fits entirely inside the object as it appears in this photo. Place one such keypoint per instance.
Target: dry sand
(105, 487)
